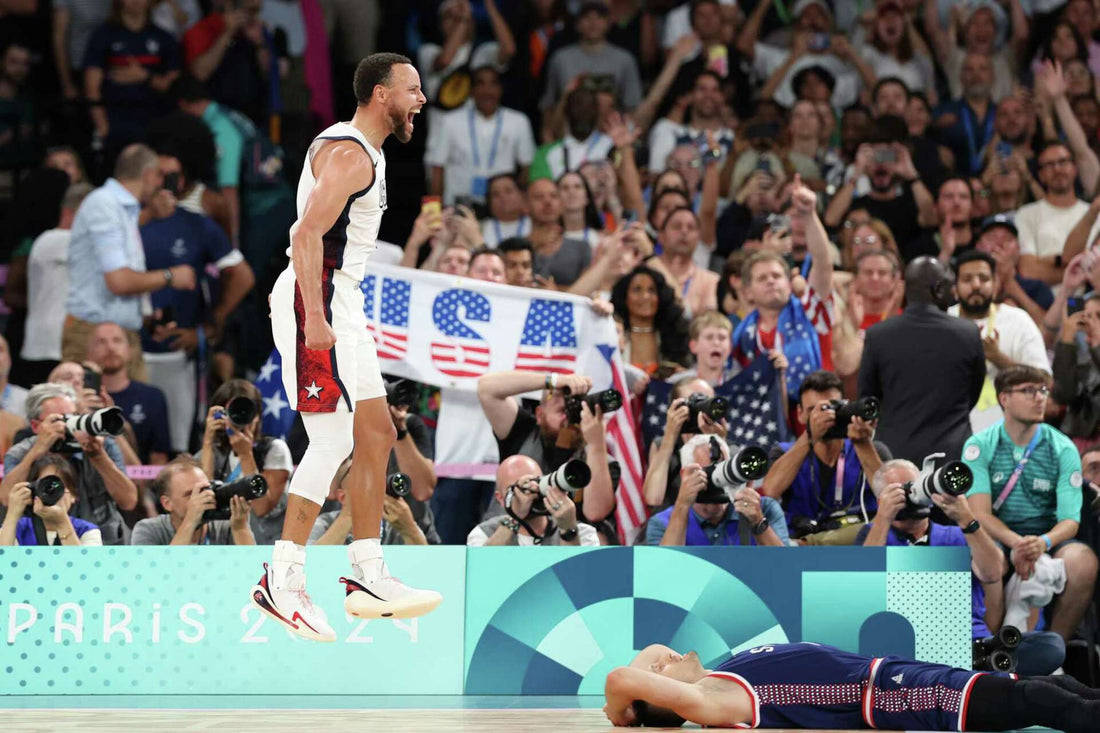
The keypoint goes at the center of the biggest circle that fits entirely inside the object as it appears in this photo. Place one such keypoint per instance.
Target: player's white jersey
(353, 237)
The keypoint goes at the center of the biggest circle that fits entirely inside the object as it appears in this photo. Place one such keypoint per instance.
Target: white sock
(366, 559)
(287, 559)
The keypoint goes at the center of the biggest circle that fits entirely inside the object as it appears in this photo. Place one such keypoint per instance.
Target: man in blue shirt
(142, 405)
(109, 278)
(966, 124)
(746, 518)
(820, 479)
(173, 237)
(900, 523)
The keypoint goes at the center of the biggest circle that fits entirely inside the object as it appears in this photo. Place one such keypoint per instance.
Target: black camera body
(398, 485)
(48, 489)
(954, 478)
(865, 408)
(241, 411)
(401, 392)
(608, 400)
(570, 477)
(716, 408)
(748, 464)
(997, 653)
(247, 487)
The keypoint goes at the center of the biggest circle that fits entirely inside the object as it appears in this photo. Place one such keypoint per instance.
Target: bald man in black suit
(926, 368)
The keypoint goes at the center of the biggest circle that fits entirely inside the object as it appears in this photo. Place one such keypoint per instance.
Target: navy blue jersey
(814, 686)
(147, 410)
(184, 238)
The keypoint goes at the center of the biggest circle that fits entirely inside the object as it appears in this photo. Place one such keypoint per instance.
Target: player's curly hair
(670, 323)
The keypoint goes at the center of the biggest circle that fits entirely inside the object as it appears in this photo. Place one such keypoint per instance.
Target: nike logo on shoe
(349, 582)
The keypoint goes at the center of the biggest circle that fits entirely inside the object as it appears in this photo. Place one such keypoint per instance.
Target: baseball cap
(800, 7)
(999, 220)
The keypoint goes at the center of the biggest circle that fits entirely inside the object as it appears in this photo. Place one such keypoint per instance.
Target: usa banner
(448, 331)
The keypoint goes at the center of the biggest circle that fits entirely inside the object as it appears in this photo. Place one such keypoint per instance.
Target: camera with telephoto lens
(865, 408)
(608, 400)
(716, 408)
(953, 478)
(570, 477)
(49, 489)
(246, 487)
(997, 653)
(241, 411)
(748, 464)
(401, 392)
(106, 421)
(398, 485)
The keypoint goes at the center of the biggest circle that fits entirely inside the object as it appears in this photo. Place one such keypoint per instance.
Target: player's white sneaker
(291, 606)
(387, 597)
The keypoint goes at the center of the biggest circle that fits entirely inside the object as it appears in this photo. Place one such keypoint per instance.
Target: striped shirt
(1049, 488)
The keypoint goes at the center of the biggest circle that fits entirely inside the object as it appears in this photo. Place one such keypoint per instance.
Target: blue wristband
(1050, 544)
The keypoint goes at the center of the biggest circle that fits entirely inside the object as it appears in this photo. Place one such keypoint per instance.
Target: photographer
(661, 480)
(60, 528)
(901, 523)
(400, 526)
(234, 446)
(748, 519)
(547, 436)
(821, 478)
(1027, 492)
(102, 487)
(183, 490)
(528, 513)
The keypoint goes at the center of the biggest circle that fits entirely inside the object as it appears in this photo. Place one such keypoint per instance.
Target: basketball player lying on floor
(813, 686)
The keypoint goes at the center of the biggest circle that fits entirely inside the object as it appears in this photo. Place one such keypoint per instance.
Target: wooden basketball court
(412, 720)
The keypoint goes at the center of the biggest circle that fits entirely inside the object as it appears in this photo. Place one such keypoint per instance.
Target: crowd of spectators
(894, 199)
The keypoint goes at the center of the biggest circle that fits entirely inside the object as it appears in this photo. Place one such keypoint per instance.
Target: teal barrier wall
(133, 620)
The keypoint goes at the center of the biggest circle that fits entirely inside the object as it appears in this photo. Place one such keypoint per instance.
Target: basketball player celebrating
(331, 372)
(814, 686)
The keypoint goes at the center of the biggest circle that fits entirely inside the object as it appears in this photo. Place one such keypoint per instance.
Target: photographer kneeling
(536, 512)
(233, 446)
(184, 491)
(565, 422)
(102, 487)
(820, 478)
(705, 513)
(904, 508)
(49, 492)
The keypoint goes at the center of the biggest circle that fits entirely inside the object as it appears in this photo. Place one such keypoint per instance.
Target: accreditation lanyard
(492, 145)
(1016, 472)
(838, 495)
(973, 149)
(593, 139)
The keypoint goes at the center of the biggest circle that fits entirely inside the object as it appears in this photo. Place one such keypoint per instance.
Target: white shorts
(325, 381)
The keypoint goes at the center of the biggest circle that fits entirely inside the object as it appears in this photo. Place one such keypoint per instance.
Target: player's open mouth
(412, 113)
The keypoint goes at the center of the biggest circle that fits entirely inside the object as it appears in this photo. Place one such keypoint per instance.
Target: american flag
(277, 417)
(549, 340)
(459, 351)
(390, 329)
(756, 416)
(623, 445)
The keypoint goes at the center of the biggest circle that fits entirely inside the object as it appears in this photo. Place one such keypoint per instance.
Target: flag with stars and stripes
(391, 329)
(549, 339)
(623, 445)
(457, 350)
(756, 415)
(277, 417)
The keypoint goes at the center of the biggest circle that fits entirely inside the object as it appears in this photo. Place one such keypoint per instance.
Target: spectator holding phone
(1077, 370)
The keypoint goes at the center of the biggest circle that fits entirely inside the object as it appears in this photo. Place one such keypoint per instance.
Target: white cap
(800, 7)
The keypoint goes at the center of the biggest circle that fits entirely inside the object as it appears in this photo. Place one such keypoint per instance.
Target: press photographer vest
(809, 496)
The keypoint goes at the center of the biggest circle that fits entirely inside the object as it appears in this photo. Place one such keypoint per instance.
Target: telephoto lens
(107, 421)
(241, 411)
(247, 487)
(49, 489)
(747, 464)
(398, 485)
(865, 408)
(571, 476)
